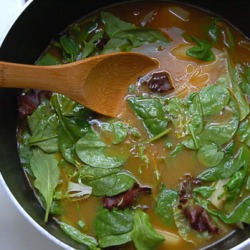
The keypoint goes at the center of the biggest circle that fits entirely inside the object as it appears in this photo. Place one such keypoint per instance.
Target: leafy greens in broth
(172, 170)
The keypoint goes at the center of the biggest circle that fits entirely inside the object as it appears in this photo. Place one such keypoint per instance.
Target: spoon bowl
(98, 83)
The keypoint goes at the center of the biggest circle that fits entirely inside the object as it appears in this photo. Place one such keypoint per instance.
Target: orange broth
(187, 75)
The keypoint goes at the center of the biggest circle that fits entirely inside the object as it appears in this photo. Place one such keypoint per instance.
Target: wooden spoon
(99, 83)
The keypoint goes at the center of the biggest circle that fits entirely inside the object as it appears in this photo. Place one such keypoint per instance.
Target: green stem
(165, 132)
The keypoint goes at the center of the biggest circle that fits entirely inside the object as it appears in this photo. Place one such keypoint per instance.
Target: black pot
(28, 37)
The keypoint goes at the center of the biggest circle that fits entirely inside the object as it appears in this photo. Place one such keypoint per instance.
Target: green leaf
(244, 132)
(45, 169)
(245, 78)
(144, 236)
(230, 39)
(115, 240)
(241, 213)
(205, 191)
(117, 44)
(202, 50)
(182, 225)
(48, 59)
(139, 36)
(125, 36)
(195, 110)
(214, 30)
(234, 187)
(113, 24)
(227, 167)
(214, 98)
(94, 152)
(70, 108)
(25, 151)
(178, 112)
(70, 47)
(151, 112)
(88, 173)
(164, 205)
(209, 155)
(221, 132)
(113, 227)
(119, 130)
(66, 140)
(43, 124)
(90, 46)
(113, 184)
(78, 236)
(232, 81)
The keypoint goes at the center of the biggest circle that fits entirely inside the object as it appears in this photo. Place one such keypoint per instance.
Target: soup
(172, 170)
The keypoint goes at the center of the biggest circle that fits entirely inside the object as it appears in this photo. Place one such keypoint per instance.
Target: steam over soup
(172, 170)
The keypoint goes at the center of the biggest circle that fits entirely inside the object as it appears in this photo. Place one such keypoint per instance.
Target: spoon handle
(15, 75)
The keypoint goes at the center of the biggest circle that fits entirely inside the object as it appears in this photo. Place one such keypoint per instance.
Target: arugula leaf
(113, 227)
(79, 236)
(94, 152)
(144, 236)
(90, 46)
(202, 50)
(113, 184)
(117, 44)
(124, 36)
(45, 169)
(139, 36)
(114, 24)
(70, 48)
(164, 205)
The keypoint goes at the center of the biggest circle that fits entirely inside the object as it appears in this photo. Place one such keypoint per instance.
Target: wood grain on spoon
(99, 83)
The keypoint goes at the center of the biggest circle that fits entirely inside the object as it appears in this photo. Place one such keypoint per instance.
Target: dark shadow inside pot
(29, 36)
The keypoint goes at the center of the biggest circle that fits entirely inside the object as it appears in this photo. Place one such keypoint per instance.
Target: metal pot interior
(28, 37)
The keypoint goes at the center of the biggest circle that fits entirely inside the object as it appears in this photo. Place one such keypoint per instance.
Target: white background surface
(16, 233)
